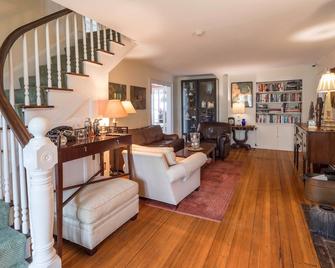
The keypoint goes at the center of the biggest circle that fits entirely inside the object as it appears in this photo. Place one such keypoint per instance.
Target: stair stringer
(71, 108)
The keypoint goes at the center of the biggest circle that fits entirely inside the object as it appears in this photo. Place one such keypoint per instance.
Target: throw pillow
(167, 151)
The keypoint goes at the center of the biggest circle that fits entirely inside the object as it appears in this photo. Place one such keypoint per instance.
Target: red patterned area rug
(218, 184)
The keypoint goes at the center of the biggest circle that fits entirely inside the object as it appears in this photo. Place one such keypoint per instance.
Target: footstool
(98, 210)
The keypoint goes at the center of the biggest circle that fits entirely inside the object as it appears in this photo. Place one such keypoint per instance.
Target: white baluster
(11, 79)
(67, 44)
(105, 38)
(84, 38)
(37, 70)
(98, 36)
(76, 42)
(91, 39)
(25, 71)
(15, 183)
(111, 38)
(118, 37)
(23, 193)
(59, 68)
(1, 177)
(47, 46)
(5, 163)
(40, 157)
(111, 34)
(16, 200)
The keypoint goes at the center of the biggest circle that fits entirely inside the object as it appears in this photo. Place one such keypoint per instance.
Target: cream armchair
(160, 181)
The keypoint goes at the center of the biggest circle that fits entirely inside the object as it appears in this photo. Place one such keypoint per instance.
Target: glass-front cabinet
(198, 103)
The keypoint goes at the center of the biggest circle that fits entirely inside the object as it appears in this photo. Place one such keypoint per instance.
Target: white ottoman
(98, 210)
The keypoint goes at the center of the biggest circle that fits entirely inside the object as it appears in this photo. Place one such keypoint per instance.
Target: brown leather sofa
(154, 136)
(148, 136)
(218, 133)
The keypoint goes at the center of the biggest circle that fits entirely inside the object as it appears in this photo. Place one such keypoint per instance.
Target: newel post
(40, 156)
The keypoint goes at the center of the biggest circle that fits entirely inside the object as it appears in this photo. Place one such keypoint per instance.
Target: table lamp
(238, 109)
(114, 109)
(327, 85)
(128, 106)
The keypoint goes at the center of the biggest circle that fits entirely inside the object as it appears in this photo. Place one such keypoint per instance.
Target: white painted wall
(136, 73)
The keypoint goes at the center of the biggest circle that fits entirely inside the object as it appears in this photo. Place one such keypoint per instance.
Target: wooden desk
(242, 143)
(79, 149)
(316, 145)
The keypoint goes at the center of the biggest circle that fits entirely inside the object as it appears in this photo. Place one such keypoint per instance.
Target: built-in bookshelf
(279, 102)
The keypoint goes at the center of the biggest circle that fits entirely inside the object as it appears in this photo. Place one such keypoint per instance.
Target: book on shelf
(277, 119)
(288, 85)
(279, 102)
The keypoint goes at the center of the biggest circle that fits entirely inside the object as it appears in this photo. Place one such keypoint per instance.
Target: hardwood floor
(263, 227)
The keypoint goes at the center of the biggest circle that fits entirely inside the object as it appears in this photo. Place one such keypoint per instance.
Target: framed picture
(117, 91)
(242, 92)
(138, 97)
(231, 121)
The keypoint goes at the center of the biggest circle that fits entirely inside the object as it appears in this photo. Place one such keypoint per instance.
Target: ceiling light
(316, 33)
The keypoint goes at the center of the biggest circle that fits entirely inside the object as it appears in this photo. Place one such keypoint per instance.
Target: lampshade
(128, 106)
(327, 82)
(238, 108)
(114, 109)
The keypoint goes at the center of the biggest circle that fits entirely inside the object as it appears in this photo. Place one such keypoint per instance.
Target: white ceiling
(241, 35)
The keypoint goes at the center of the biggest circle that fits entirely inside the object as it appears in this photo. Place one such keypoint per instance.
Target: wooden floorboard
(263, 227)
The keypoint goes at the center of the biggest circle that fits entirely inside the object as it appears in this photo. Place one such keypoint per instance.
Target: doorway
(161, 105)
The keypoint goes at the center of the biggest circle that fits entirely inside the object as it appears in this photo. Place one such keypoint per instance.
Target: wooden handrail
(6, 108)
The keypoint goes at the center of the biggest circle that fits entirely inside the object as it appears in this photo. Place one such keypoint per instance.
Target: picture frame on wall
(231, 121)
(117, 91)
(138, 97)
(242, 92)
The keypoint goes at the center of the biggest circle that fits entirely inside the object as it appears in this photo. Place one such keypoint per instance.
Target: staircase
(60, 81)
(12, 243)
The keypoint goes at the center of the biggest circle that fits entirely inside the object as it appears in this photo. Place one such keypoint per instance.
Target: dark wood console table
(80, 149)
(317, 146)
(242, 143)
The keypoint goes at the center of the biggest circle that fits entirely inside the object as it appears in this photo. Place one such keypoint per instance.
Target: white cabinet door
(285, 137)
(266, 136)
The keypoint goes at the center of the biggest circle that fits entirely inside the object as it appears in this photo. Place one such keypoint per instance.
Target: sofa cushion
(168, 152)
(98, 199)
(138, 136)
(153, 134)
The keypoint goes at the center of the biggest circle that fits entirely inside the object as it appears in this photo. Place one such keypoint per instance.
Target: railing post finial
(40, 156)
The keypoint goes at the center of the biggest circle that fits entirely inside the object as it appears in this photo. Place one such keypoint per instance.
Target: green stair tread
(4, 214)
(12, 247)
(19, 95)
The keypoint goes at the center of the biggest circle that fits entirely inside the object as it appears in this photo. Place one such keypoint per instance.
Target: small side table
(242, 143)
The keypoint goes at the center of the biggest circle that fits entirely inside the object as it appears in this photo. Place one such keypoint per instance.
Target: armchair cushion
(185, 167)
(168, 152)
